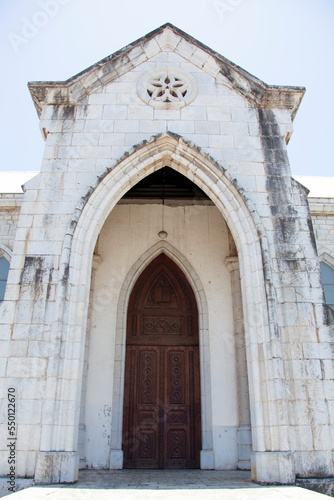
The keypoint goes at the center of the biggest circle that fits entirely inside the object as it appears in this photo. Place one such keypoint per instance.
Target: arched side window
(4, 268)
(327, 276)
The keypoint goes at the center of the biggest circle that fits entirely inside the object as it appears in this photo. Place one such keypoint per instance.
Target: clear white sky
(282, 42)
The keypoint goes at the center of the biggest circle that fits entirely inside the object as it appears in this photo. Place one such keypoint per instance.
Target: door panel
(161, 418)
(141, 419)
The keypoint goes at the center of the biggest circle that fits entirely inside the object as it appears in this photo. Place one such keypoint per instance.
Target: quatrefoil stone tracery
(167, 88)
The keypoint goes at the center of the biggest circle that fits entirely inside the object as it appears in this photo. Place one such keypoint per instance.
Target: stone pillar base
(244, 465)
(273, 467)
(244, 447)
(314, 463)
(56, 467)
(116, 459)
(206, 459)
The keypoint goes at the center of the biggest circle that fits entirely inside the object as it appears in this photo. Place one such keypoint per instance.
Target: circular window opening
(167, 88)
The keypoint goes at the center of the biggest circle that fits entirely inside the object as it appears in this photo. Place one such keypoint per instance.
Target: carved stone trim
(232, 264)
(167, 88)
(96, 262)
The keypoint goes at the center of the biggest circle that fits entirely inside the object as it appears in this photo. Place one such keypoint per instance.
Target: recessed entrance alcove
(197, 253)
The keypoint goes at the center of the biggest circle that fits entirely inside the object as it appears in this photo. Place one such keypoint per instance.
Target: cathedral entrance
(162, 411)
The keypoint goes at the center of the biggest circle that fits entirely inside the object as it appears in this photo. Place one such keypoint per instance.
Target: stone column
(244, 427)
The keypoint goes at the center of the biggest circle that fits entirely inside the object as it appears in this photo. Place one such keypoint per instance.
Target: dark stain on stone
(59, 97)
(47, 220)
(286, 229)
(285, 218)
(276, 183)
(55, 112)
(282, 210)
(266, 264)
(328, 315)
(66, 273)
(273, 142)
(89, 192)
(271, 138)
(85, 110)
(277, 169)
(281, 156)
(265, 118)
(312, 237)
(33, 262)
(73, 225)
(233, 75)
(269, 288)
(68, 112)
(38, 275)
(48, 290)
(273, 146)
(323, 484)
(32, 275)
(288, 264)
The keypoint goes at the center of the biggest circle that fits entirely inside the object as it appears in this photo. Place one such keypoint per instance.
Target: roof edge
(72, 90)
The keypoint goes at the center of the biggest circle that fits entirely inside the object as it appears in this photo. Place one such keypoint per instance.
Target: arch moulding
(71, 308)
(116, 454)
(5, 252)
(327, 259)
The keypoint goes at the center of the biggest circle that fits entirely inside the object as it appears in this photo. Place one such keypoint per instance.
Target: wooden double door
(162, 413)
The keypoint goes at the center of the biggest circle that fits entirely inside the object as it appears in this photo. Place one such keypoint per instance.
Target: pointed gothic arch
(5, 257)
(116, 454)
(258, 300)
(326, 258)
(5, 252)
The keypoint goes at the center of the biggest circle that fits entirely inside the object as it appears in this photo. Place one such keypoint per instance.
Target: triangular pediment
(166, 38)
(161, 294)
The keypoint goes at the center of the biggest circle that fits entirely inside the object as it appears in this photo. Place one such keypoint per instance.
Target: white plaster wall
(200, 234)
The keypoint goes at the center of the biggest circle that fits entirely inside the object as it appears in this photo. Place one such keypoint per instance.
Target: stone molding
(148, 80)
(96, 262)
(204, 340)
(5, 252)
(327, 259)
(232, 264)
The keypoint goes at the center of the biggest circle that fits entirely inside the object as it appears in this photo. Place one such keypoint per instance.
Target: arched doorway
(162, 414)
(245, 227)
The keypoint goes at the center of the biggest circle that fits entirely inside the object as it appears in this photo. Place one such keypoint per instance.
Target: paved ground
(165, 485)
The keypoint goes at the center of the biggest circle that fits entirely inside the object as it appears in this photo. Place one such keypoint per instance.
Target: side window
(4, 268)
(327, 276)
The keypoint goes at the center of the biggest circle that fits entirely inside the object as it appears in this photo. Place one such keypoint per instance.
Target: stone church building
(166, 284)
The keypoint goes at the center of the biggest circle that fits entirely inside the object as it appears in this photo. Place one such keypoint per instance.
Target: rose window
(167, 88)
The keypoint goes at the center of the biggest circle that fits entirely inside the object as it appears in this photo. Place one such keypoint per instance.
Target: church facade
(164, 306)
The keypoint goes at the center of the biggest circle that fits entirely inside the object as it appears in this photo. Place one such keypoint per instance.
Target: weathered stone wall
(99, 146)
